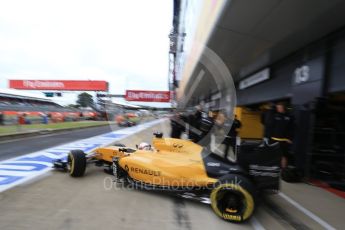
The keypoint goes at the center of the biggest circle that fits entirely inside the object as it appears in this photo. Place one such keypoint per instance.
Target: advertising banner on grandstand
(147, 96)
(59, 85)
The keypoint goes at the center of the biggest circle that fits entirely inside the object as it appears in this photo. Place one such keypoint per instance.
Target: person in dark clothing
(194, 121)
(198, 113)
(205, 126)
(281, 131)
(266, 120)
(177, 123)
(230, 138)
(1, 118)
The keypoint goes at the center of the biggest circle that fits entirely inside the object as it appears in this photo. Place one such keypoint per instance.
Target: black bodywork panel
(259, 162)
(217, 166)
(262, 162)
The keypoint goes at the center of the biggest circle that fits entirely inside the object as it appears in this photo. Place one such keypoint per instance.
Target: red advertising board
(147, 96)
(59, 85)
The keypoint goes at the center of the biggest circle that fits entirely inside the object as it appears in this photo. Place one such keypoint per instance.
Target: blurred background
(103, 66)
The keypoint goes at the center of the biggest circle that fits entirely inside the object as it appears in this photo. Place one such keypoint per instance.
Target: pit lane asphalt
(18, 147)
(58, 201)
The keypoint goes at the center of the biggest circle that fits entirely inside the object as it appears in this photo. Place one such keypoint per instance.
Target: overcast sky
(124, 42)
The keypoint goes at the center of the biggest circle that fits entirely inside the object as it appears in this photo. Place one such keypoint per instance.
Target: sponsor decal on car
(145, 171)
(266, 171)
(213, 164)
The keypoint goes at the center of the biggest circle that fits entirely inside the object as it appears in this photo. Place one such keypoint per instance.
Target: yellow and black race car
(190, 171)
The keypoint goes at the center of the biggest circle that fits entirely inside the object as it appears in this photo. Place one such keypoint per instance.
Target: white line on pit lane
(13, 176)
(256, 224)
(307, 212)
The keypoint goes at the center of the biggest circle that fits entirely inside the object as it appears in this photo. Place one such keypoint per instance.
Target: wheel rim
(69, 163)
(231, 202)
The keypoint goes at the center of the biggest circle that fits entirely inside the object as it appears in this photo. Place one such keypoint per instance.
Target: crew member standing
(266, 119)
(230, 139)
(281, 130)
(177, 123)
(194, 120)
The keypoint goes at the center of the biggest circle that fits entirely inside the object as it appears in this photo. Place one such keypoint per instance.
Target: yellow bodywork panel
(174, 162)
(251, 123)
(107, 153)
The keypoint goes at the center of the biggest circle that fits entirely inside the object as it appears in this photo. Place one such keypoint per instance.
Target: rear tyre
(76, 163)
(232, 199)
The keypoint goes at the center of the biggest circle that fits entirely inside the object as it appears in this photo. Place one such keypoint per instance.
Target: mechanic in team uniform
(230, 138)
(218, 133)
(281, 131)
(194, 121)
(206, 124)
(266, 119)
(177, 123)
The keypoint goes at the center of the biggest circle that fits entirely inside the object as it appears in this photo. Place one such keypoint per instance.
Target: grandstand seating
(12, 105)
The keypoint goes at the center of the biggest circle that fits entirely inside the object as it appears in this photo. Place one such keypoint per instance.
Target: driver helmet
(144, 146)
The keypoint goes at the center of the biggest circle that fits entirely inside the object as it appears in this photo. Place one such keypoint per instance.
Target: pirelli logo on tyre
(232, 217)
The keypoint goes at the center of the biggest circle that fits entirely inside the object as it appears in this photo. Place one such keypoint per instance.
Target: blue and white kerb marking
(18, 170)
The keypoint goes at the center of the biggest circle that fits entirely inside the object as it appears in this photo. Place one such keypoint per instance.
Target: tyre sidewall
(77, 158)
(239, 184)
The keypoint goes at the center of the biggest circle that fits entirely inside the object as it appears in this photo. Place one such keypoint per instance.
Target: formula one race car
(190, 171)
(126, 123)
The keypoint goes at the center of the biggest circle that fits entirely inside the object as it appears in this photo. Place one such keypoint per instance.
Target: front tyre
(232, 199)
(76, 163)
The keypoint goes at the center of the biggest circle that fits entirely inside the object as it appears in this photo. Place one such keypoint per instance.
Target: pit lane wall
(196, 22)
(22, 169)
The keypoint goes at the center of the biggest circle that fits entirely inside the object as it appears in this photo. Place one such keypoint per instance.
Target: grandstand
(15, 102)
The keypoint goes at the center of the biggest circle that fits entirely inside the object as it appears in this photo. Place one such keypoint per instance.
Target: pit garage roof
(252, 34)
(17, 94)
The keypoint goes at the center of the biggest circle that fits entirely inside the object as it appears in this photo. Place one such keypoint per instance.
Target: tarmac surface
(20, 146)
(57, 201)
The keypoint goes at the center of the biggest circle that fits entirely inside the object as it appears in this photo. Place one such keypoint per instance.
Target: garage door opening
(327, 159)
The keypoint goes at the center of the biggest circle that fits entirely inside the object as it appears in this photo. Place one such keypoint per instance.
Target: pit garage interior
(290, 51)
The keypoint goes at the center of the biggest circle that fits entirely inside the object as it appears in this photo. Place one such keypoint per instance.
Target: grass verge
(11, 129)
